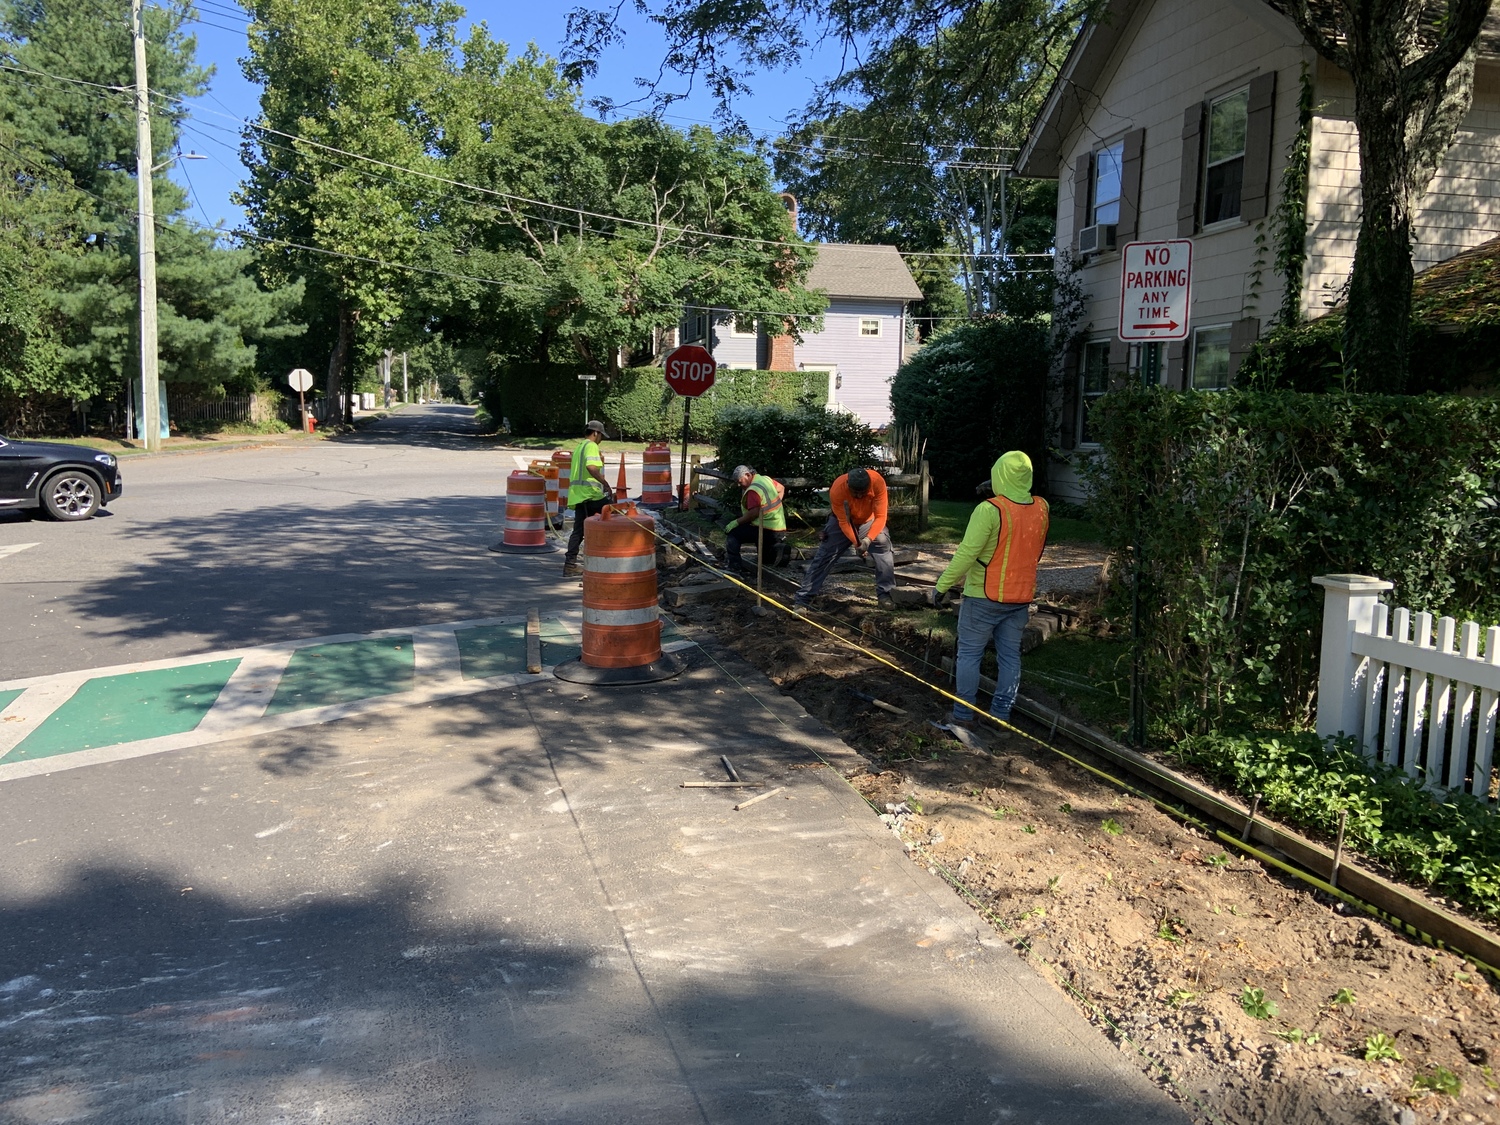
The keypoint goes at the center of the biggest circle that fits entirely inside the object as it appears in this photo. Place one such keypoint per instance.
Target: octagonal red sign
(690, 370)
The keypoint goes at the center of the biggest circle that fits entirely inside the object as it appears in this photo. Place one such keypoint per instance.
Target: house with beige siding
(863, 339)
(1175, 119)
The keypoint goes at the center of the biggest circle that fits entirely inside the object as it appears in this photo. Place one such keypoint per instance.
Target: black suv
(68, 482)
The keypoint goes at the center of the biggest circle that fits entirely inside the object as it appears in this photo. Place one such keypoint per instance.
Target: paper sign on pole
(1155, 288)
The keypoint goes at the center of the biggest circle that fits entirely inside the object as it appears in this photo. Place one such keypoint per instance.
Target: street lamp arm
(174, 159)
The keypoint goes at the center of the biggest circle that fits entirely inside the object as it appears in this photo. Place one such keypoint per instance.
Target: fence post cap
(1353, 583)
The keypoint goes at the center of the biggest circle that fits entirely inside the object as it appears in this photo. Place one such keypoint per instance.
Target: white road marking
(244, 698)
(28, 710)
(436, 656)
(15, 549)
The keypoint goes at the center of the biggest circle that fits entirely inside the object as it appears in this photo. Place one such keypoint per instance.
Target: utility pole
(385, 377)
(146, 221)
(405, 389)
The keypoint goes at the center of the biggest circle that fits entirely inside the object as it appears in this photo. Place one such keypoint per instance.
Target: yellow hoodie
(1010, 476)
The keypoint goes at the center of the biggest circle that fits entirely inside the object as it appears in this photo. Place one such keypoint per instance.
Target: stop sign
(690, 370)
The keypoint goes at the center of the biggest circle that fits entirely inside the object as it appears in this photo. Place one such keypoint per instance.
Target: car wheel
(70, 496)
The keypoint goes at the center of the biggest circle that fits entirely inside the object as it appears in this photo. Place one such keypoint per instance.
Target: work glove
(731, 525)
(932, 597)
(864, 545)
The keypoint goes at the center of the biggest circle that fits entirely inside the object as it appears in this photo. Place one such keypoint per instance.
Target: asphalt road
(386, 528)
(497, 908)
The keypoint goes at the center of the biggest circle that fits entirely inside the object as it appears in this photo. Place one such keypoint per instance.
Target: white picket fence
(1424, 703)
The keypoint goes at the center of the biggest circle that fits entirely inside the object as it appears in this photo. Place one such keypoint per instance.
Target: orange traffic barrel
(548, 472)
(525, 516)
(563, 459)
(656, 477)
(621, 620)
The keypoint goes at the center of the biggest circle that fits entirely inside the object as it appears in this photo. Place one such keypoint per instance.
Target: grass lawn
(1089, 673)
(948, 518)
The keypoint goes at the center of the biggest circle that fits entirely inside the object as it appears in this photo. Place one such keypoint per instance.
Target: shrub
(1450, 843)
(537, 398)
(1241, 498)
(807, 440)
(974, 392)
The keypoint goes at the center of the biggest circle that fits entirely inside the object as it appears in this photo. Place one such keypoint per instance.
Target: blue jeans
(832, 548)
(981, 621)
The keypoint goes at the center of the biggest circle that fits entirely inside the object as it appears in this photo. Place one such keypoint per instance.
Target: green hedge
(1444, 359)
(974, 392)
(807, 440)
(636, 403)
(1450, 843)
(1241, 498)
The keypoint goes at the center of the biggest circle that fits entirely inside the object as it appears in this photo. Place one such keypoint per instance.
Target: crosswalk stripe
(15, 549)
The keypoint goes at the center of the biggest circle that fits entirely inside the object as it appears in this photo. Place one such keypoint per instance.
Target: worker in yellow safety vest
(997, 561)
(762, 522)
(588, 491)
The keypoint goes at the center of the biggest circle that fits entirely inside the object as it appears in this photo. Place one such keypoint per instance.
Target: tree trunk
(1377, 325)
(336, 364)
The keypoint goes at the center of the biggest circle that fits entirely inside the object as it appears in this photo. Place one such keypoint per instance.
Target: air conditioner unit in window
(1092, 240)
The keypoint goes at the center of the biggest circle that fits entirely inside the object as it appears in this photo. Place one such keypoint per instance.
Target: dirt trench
(1155, 931)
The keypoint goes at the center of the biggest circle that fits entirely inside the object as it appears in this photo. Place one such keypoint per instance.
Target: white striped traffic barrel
(548, 472)
(563, 459)
(656, 475)
(621, 620)
(525, 516)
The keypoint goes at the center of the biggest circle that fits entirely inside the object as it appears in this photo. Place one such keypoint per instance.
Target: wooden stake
(534, 641)
(720, 785)
(759, 797)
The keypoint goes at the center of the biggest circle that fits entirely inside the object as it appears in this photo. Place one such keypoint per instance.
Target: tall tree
(338, 77)
(1412, 64)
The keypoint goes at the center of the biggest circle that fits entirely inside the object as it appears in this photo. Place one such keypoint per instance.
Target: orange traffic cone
(621, 488)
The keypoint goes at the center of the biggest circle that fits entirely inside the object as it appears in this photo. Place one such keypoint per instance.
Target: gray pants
(834, 544)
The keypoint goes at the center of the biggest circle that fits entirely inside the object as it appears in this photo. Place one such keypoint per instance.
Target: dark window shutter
(1192, 171)
(1242, 335)
(1176, 365)
(1255, 199)
(1134, 147)
(1072, 378)
(1083, 170)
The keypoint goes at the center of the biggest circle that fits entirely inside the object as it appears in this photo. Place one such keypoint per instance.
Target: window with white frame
(1224, 156)
(869, 326)
(1210, 359)
(744, 325)
(1108, 178)
(1093, 382)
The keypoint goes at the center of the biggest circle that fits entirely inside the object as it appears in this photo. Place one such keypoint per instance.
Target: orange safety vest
(1010, 573)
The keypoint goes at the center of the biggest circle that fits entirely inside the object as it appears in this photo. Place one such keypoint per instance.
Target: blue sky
(221, 43)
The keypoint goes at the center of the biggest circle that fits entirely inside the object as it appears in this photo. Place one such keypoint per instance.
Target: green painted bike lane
(111, 710)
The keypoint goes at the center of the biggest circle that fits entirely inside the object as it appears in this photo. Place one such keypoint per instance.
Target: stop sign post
(690, 371)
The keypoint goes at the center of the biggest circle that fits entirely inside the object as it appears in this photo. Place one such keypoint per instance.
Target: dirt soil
(1153, 929)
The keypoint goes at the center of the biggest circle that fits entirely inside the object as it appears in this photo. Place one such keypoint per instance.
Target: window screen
(1093, 382)
(1107, 179)
(1211, 359)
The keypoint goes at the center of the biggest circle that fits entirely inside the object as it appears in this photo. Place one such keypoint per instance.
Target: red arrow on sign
(1170, 326)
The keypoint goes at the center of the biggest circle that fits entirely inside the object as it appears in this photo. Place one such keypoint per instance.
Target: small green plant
(1487, 1076)
(1053, 884)
(1218, 862)
(1255, 1005)
(1003, 811)
(1029, 829)
(1380, 1046)
(1344, 998)
(1065, 807)
(1181, 997)
(1170, 929)
(1034, 912)
(1111, 826)
(915, 805)
(1297, 1035)
(1440, 1080)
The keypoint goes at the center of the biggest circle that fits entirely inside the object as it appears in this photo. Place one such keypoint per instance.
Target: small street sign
(690, 370)
(587, 376)
(1155, 289)
(300, 380)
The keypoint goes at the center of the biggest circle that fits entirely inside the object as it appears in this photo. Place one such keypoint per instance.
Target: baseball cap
(596, 426)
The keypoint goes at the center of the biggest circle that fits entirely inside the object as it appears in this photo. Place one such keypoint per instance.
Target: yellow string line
(946, 873)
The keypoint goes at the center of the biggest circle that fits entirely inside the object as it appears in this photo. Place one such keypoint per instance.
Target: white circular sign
(300, 379)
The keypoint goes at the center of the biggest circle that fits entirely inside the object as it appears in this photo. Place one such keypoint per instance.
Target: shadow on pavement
(126, 997)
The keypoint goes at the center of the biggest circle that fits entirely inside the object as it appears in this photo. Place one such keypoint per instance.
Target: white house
(863, 339)
(1174, 119)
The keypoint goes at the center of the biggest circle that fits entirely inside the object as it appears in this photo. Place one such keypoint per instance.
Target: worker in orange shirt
(858, 500)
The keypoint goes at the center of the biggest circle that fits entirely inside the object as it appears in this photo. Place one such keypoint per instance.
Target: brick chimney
(791, 206)
(781, 351)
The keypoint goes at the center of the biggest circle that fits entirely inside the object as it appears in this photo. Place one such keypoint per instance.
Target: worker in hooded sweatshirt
(997, 562)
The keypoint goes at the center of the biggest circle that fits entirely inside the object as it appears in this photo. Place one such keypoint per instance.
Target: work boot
(801, 609)
(572, 569)
(885, 601)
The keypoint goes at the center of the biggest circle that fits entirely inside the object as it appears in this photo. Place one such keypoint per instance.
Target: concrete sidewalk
(504, 908)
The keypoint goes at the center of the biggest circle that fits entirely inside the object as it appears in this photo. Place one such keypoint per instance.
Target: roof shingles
(852, 269)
